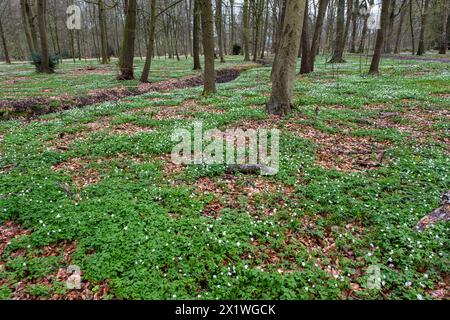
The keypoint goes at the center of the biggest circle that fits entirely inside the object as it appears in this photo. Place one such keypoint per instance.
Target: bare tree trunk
(245, 31)
(374, 67)
(5, 47)
(390, 28)
(400, 27)
(103, 36)
(283, 70)
(355, 15)
(151, 42)
(323, 4)
(305, 49)
(208, 47)
(423, 25)
(219, 29)
(196, 35)
(232, 26)
(411, 25)
(45, 68)
(129, 35)
(338, 48)
(31, 24)
(348, 20)
(26, 27)
(265, 30)
(444, 38)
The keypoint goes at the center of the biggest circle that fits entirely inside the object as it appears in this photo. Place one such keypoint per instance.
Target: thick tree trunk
(348, 20)
(5, 47)
(305, 48)
(45, 68)
(338, 48)
(444, 38)
(355, 15)
(283, 70)
(219, 29)
(129, 35)
(398, 37)
(151, 42)
(196, 35)
(374, 67)
(245, 31)
(323, 4)
(208, 47)
(423, 25)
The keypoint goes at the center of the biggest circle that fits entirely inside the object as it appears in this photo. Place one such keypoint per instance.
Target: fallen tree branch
(440, 214)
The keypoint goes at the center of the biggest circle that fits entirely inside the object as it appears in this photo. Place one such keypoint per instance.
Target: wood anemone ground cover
(363, 160)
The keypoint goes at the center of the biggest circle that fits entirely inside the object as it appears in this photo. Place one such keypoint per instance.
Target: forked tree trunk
(45, 68)
(151, 42)
(208, 47)
(338, 48)
(219, 29)
(129, 34)
(305, 48)
(444, 38)
(423, 25)
(283, 70)
(33, 33)
(196, 36)
(374, 67)
(323, 4)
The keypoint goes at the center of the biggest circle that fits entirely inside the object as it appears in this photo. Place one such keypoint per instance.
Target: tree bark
(323, 4)
(390, 28)
(411, 25)
(45, 68)
(30, 19)
(208, 47)
(5, 47)
(219, 29)
(423, 25)
(283, 70)
(444, 38)
(399, 29)
(348, 20)
(305, 48)
(151, 42)
(103, 35)
(374, 67)
(196, 35)
(338, 48)
(26, 27)
(355, 15)
(129, 35)
(245, 31)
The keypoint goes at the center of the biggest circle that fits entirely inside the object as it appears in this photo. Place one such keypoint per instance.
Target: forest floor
(362, 160)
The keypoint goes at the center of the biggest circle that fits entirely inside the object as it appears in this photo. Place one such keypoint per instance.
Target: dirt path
(32, 107)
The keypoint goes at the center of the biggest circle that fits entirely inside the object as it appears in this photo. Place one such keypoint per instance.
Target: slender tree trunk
(411, 25)
(219, 29)
(129, 35)
(245, 31)
(354, 26)
(151, 42)
(444, 38)
(305, 48)
(5, 47)
(338, 48)
(283, 70)
(232, 26)
(103, 36)
(423, 25)
(374, 67)
(208, 47)
(45, 68)
(398, 37)
(196, 35)
(265, 32)
(323, 4)
(348, 21)
(31, 24)
(390, 28)
(26, 27)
